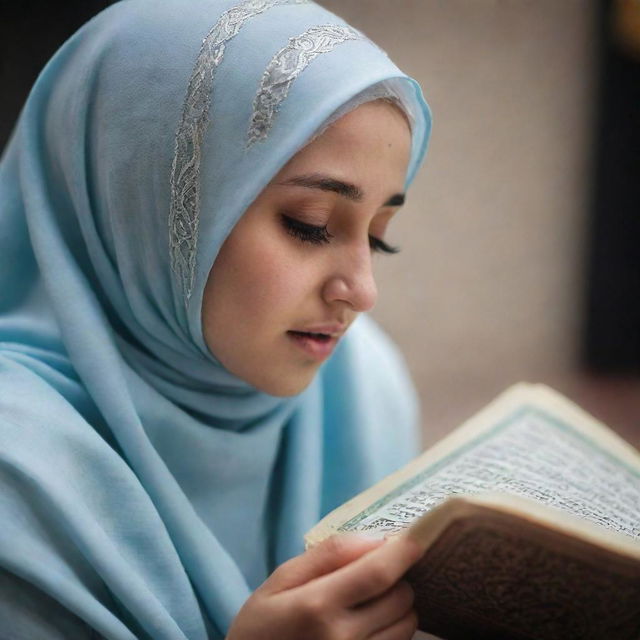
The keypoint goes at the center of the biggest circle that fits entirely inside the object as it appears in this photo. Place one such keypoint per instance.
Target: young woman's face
(297, 268)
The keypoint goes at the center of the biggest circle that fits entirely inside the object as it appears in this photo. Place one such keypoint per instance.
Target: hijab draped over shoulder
(144, 490)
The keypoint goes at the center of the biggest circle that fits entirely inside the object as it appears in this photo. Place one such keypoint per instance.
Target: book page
(530, 454)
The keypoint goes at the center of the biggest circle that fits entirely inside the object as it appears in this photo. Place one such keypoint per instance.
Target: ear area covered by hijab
(132, 494)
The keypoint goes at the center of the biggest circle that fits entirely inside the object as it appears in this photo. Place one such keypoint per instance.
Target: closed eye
(320, 235)
(305, 232)
(380, 246)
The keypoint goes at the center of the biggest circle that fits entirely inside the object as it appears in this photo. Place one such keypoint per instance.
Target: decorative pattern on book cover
(488, 578)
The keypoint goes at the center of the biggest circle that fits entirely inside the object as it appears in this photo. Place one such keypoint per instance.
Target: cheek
(257, 289)
(268, 288)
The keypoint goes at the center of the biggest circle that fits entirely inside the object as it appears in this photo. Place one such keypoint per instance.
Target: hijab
(145, 488)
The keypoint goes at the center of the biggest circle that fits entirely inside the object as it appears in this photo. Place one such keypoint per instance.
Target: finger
(385, 610)
(403, 629)
(326, 557)
(372, 575)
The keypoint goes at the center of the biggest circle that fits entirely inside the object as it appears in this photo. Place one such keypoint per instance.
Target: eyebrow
(344, 189)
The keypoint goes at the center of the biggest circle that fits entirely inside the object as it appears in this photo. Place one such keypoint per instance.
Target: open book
(530, 518)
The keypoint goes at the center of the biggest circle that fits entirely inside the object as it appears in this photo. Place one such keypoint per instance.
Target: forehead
(367, 145)
(370, 123)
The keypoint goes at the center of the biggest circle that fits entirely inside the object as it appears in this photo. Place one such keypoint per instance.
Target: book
(529, 514)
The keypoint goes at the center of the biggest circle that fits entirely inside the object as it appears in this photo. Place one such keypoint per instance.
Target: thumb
(323, 558)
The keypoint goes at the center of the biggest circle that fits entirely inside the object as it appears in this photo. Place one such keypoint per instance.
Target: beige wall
(487, 290)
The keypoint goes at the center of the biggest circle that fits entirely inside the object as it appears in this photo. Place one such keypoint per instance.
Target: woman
(190, 203)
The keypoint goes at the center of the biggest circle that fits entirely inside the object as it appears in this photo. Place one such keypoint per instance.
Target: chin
(285, 386)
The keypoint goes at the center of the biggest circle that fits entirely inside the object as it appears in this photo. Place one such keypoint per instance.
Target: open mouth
(322, 337)
(318, 346)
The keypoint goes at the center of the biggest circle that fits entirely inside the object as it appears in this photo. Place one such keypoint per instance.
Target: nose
(351, 279)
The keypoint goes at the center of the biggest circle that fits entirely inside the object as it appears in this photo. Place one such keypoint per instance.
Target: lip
(316, 347)
(335, 330)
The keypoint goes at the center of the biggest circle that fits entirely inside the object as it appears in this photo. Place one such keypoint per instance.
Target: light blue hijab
(143, 488)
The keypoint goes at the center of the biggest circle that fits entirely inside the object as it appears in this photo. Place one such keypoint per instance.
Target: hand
(345, 588)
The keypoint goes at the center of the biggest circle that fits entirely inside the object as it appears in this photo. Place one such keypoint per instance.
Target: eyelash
(319, 235)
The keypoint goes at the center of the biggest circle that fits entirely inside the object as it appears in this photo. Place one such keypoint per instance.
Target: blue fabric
(143, 488)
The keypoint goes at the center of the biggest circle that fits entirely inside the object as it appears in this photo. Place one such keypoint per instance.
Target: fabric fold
(143, 486)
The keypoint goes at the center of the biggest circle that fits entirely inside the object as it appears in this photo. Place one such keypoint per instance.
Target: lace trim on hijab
(184, 212)
(285, 67)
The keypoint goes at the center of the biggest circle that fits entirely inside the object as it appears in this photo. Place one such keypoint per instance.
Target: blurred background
(521, 237)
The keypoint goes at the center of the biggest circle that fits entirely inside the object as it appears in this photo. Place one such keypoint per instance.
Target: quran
(529, 514)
